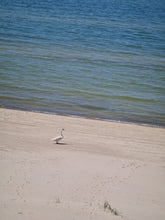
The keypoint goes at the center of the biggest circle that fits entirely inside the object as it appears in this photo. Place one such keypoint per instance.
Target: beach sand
(97, 161)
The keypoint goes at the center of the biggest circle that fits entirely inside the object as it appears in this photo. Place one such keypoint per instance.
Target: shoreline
(119, 133)
(96, 162)
(90, 118)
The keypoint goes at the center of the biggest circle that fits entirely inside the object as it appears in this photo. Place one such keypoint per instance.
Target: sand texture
(97, 161)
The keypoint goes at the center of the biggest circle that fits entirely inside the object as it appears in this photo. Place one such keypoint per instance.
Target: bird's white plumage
(57, 139)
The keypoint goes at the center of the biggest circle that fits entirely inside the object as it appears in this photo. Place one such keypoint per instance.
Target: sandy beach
(97, 163)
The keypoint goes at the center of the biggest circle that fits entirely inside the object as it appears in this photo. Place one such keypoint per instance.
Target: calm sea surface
(92, 58)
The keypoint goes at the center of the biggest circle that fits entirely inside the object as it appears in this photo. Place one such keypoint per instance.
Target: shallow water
(92, 59)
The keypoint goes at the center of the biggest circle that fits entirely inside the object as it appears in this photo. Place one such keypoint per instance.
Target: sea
(100, 59)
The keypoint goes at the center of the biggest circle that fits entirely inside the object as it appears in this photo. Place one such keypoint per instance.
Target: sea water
(91, 58)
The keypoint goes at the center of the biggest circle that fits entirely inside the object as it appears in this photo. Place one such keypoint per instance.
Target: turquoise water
(100, 59)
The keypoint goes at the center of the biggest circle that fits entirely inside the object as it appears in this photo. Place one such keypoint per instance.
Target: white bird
(57, 139)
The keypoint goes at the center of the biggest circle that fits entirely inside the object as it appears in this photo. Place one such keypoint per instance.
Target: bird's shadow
(60, 144)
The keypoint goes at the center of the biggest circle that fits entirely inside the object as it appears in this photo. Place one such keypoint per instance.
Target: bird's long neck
(61, 133)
